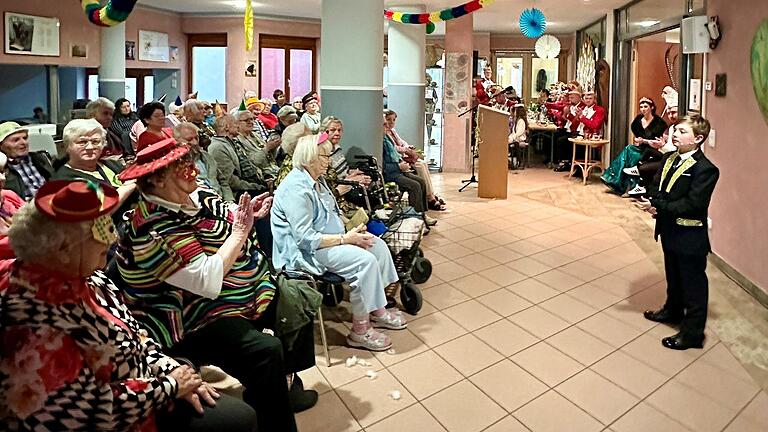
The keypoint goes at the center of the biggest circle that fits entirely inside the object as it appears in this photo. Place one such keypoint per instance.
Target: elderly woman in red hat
(197, 280)
(72, 356)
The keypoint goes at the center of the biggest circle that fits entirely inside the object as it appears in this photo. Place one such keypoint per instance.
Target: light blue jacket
(300, 216)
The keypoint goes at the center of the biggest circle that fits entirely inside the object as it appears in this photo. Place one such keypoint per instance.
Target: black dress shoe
(663, 315)
(680, 342)
(300, 399)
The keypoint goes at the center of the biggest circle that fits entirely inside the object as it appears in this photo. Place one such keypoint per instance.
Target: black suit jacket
(682, 209)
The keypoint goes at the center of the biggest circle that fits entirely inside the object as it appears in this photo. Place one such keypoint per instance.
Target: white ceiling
(563, 16)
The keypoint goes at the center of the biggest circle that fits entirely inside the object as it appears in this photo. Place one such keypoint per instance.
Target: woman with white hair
(85, 141)
(309, 235)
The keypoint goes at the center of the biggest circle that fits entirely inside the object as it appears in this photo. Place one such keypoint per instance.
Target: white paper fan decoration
(547, 47)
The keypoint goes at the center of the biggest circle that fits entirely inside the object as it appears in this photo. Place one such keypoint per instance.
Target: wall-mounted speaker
(694, 35)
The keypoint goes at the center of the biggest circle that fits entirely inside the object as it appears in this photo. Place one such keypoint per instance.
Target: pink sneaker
(371, 340)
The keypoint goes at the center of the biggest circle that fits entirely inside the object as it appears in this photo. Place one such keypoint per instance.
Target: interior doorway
(509, 71)
(288, 64)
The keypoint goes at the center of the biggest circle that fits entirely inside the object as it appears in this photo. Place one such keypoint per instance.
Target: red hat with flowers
(75, 201)
(153, 158)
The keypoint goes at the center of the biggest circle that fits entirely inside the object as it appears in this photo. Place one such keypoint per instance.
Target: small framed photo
(31, 35)
(78, 50)
(130, 50)
(174, 53)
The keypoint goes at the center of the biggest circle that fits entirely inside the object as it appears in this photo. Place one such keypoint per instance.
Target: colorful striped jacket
(160, 242)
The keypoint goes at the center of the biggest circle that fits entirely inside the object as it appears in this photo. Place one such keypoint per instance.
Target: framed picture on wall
(78, 50)
(153, 46)
(174, 53)
(31, 35)
(130, 50)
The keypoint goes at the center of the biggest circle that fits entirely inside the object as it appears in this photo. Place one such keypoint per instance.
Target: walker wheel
(410, 298)
(420, 252)
(421, 271)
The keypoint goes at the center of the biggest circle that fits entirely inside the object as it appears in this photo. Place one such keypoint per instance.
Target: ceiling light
(648, 23)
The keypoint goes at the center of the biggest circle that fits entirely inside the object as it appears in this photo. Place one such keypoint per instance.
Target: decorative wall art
(31, 35)
(457, 73)
(153, 46)
(759, 60)
(130, 50)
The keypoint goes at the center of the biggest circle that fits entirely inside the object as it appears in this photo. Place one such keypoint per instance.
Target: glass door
(286, 64)
(509, 71)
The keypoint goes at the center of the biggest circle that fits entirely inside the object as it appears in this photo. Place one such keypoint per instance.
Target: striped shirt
(160, 242)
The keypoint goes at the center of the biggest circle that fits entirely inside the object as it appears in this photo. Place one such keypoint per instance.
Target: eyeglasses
(85, 142)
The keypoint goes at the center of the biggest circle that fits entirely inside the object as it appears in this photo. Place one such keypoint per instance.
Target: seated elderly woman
(196, 279)
(152, 115)
(74, 358)
(262, 152)
(288, 142)
(237, 171)
(186, 133)
(309, 235)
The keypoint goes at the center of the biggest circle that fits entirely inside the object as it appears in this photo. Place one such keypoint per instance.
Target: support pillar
(351, 71)
(405, 91)
(458, 43)
(112, 69)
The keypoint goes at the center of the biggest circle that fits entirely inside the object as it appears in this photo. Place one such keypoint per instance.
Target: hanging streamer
(248, 24)
(532, 23)
(111, 14)
(437, 16)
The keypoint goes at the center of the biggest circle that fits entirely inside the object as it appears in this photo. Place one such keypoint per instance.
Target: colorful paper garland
(111, 14)
(437, 16)
(532, 23)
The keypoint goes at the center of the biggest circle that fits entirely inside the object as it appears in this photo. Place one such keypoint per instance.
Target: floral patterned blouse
(73, 358)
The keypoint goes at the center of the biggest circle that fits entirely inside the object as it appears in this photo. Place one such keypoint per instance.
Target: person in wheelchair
(195, 277)
(309, 235)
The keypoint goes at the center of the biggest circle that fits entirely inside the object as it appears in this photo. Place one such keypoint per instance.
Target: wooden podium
(492, 151)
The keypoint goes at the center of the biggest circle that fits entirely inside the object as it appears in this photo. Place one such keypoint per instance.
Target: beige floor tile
(472, 315)
(435, 257)
(645, 418)
(502, 275)
(568, 308)
(433, 280)
(404, 344)
(509, 385)
(718, 385)
(329, 415)
(477, 262)
(533, 290)
(502, 237)
(582, 271)
(593, 296)
(450, 270)
(412, 419)
(475, 285)
(525, 247)
(618, 286)
(507, 424)
(720, 357)
(528, 266)
(479, 244)
(444, 296)
(339, 374)
(559, 280)
(630, 311)
(464, 408)
(502, 254)
(755, 412)
(457, 234)
(480, 229)
(314, 380)
(630, 374)
(690, 407)
(433, 240)
(506, 337)
(547, 364)
(551, 412)
(596, 395)
(453, 251)
(539, 322)
(425, 374)
(609, 329)
(552, 258)
(426, 309)
(368, 399)
(468, 354)
(436, 329)
(580, 345)
(504, 302)
(648, 349)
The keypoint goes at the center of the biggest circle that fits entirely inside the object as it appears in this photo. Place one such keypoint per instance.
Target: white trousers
(422, 170)
(367, 272)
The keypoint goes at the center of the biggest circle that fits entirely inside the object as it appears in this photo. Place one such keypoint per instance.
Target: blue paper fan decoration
(532, 23)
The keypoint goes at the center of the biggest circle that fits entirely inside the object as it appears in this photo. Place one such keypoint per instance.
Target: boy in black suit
(679, 199)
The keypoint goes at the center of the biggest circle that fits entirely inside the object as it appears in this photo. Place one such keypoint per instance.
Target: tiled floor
(532, 320)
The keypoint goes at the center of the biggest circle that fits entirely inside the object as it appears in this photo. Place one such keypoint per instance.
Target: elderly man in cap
(26, 171)
(286, 116)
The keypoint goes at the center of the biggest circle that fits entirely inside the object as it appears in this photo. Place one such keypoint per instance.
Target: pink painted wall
(739, 206)
(75, 28)
(159, 21)
(458, 39)
(237, 82)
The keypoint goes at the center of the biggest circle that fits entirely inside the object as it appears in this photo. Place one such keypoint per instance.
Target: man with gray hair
(117, 147)
(186, 133)
(26, 171)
